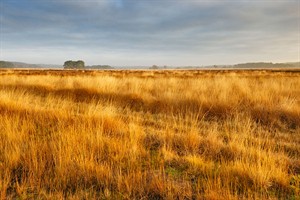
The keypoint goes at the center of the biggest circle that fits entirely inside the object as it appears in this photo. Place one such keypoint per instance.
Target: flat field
(133, 134)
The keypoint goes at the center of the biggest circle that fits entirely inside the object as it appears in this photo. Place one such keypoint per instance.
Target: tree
(154, 67)
(74, 64)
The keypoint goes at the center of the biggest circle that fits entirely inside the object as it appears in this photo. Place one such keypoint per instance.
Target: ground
(150, 134)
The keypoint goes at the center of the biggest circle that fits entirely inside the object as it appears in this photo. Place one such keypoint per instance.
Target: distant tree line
(263, 65)
(4, 64)
(99, 67)
(157, 67)
(70, 64)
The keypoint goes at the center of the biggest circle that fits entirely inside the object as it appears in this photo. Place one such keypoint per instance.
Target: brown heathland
(149, 134)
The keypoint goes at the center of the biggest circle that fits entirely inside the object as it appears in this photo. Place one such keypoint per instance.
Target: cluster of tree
(74, 64)
(70, 64)
(4, 64)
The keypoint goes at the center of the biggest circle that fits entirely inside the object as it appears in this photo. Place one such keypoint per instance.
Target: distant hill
(24, 65)
(294, 64)
(5, 64)
(254, 65)
(266, 65)
(8, 64)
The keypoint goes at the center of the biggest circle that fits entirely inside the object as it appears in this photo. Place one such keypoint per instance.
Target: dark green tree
(80, 64)
(74, 64)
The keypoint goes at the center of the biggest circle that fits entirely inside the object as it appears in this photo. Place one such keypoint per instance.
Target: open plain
(142, 134)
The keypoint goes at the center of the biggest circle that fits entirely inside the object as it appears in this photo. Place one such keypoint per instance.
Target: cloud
(193, 32)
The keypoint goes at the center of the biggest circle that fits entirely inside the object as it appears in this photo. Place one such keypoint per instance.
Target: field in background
(149, 134)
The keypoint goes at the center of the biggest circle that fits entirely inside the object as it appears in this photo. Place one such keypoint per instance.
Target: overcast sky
(147, 32)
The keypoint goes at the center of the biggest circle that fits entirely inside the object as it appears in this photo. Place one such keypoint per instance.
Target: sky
(148, 32)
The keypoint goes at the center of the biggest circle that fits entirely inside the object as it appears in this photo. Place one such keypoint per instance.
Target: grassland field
(150, 134)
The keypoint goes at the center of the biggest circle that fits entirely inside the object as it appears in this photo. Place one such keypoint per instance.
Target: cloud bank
(166, 32)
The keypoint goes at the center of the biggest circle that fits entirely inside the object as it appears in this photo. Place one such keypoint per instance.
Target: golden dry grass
(149, 134)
